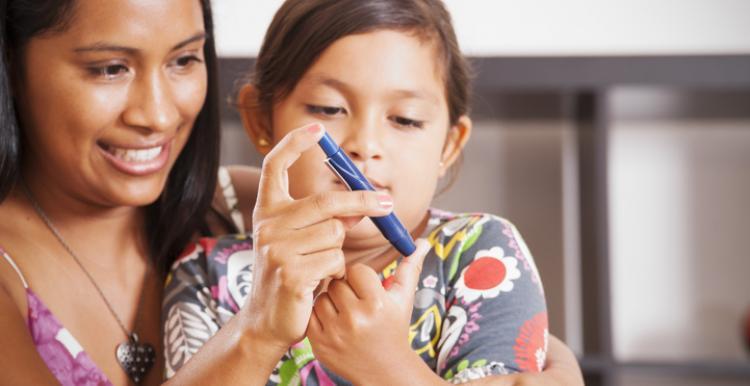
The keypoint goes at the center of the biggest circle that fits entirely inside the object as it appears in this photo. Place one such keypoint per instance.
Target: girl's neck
(379, 257)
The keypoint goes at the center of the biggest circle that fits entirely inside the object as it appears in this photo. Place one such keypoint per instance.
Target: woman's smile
(137, 161)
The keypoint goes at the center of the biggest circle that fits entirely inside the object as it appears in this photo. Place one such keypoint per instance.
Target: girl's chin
(365, 232)
(364, 228)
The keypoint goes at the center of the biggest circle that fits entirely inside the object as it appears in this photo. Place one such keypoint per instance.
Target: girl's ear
(256, 124)
(458, 134)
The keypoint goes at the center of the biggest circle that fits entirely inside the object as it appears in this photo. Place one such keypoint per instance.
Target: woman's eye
(406, 122)
(186, 61)
(109, 72)
(328, 111)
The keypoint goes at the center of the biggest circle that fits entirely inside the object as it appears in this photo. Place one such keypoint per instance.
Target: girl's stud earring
(263, 142)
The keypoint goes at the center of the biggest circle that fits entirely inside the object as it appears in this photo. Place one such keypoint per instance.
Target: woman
(108, 156)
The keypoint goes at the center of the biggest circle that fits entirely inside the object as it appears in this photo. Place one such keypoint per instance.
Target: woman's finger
(274, 183)
(328, 234)
(322, 206)
(321, 265)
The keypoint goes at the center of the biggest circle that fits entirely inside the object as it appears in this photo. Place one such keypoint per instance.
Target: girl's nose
(363, 143)
(152, 106)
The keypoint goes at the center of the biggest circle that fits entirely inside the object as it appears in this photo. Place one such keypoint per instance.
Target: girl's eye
(327, 111)
(408, 123)
(109, 72)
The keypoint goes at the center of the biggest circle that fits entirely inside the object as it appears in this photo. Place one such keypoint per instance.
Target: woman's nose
(152, 105)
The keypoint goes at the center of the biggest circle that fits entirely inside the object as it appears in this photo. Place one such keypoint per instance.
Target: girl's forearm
(561, 369)
(234, 356)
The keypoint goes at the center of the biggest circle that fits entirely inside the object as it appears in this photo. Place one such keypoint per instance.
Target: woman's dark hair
(302, 29)
(173, 219)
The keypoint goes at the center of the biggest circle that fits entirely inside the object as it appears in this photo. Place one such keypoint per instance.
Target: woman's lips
(138, 161)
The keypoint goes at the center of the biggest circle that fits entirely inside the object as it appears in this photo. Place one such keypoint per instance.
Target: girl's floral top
(479, 308)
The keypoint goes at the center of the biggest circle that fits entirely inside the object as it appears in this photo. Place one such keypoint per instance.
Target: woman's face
(381, 97)
(107, 104)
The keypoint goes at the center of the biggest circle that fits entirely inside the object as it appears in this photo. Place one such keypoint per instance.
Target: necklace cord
(43, 216)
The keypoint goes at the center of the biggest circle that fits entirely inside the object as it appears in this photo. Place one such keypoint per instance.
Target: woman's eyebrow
(105, 46)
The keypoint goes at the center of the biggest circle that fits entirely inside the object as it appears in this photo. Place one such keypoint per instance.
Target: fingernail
(314, 128)
(385, 201)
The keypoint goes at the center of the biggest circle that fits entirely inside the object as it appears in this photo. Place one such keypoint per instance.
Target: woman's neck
(95, 232)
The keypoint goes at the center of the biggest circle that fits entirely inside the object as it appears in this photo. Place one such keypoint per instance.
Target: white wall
(547, 27)
(679, 229)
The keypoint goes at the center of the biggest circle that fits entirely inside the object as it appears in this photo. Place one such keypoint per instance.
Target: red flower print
(531, 344)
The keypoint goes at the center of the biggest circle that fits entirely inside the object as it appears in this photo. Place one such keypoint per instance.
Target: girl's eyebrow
(104, 46)
(325, 80)
(344, 88)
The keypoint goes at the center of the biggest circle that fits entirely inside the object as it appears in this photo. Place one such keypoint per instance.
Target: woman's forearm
(234, 356)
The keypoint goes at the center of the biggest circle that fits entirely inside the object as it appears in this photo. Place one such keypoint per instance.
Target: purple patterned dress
(58, 348)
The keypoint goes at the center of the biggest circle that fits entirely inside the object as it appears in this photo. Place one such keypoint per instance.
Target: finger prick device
(390, 226)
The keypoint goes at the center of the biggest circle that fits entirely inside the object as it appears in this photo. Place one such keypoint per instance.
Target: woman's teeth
(140, 155)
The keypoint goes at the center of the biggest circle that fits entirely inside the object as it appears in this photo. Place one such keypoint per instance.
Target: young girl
(389, 84)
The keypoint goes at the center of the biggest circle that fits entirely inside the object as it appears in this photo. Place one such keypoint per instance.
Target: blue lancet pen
(344, 168)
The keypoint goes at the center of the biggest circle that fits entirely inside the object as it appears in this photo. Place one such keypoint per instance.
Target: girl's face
(381, 96)
(108, 104)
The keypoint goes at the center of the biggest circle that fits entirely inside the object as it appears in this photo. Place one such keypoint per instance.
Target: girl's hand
(359, 329)
(297, 243)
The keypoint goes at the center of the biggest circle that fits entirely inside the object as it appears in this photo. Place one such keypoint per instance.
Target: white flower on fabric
(430, 281)
(474, 373)
(453, 325)
(490, 273)
(240, 274)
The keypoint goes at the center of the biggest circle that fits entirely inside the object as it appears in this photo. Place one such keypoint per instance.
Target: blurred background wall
(616, 136)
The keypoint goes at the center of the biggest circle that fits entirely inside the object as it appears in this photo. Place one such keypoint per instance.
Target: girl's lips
(137, 161)
(377, 186)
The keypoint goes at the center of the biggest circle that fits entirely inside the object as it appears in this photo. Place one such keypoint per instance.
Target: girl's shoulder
(209, 262)
(211, 251)
(447, 231)
(460, 240)
(210, 281)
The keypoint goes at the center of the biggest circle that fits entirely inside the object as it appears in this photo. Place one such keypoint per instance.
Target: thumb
(407, 274)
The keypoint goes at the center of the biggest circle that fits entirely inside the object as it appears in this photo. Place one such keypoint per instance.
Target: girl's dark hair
(302, 29)
(173, 219)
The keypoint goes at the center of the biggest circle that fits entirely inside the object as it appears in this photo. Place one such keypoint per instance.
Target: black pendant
(136, 358)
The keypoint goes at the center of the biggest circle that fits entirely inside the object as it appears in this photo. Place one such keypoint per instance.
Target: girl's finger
(364, 281)
(342, 295)
(406, 276)
(325, 308)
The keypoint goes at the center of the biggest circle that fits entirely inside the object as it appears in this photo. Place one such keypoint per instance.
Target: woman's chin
(135, 195)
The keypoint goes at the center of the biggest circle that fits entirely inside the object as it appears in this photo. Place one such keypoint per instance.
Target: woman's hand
(297, 243)
(359, 329)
